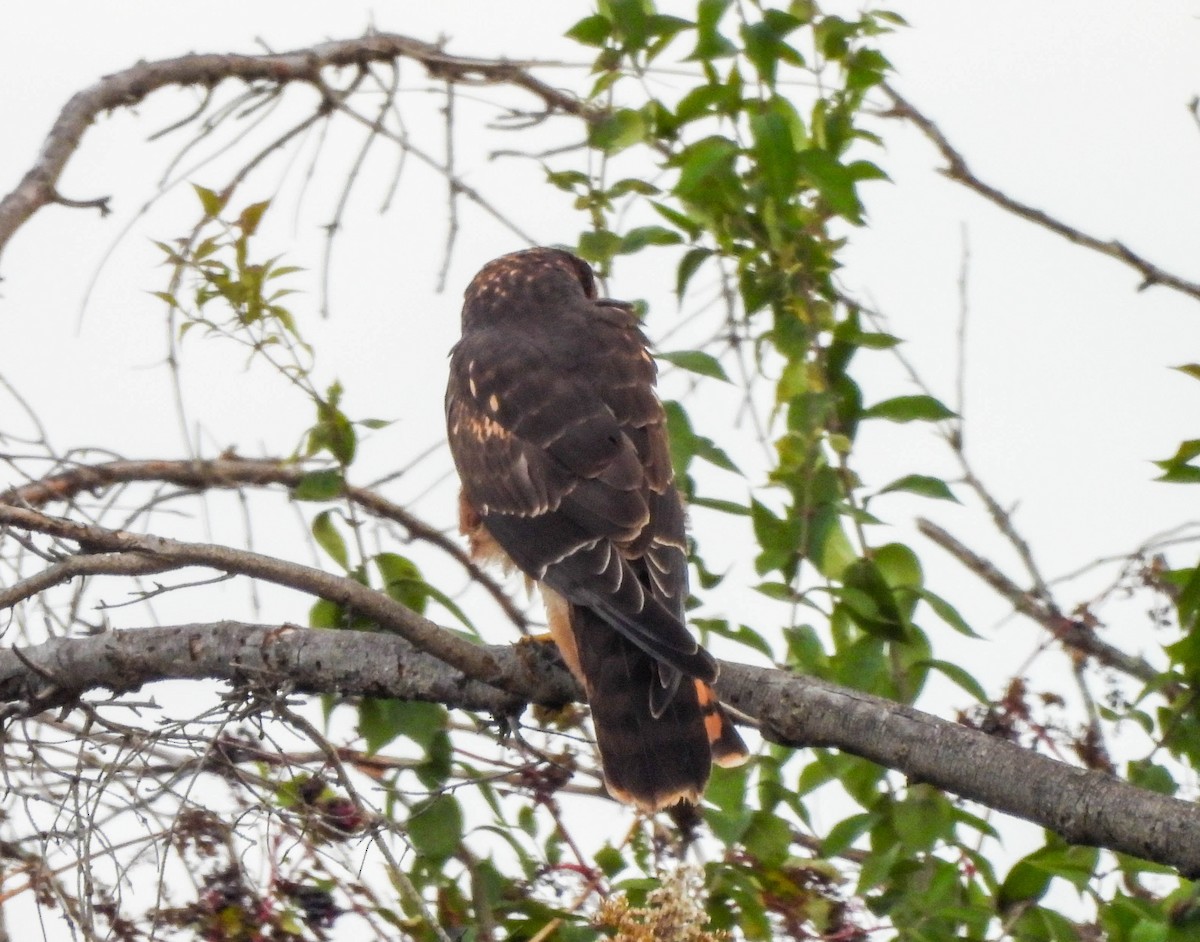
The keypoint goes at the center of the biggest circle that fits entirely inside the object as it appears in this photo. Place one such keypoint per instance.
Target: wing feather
(564, 455)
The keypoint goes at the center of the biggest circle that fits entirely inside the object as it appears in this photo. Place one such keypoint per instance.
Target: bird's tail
(651, 762)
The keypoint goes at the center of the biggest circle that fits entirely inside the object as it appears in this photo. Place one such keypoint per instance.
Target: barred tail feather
(651, 762)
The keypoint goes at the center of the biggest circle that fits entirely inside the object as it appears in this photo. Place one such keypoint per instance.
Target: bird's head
(527, 283)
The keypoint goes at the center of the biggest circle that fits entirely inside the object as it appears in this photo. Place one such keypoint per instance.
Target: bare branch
(1071, 633)
(1085, 807)
(115, 564)
(128, 87)
(958, 171)
(231, 471)
(1082, 806)
(389, 614)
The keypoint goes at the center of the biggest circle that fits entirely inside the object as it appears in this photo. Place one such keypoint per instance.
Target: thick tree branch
(958, 171)
(1071, 633)
(389, 614)
(231, 472)
(128, 87)
(1084, 807)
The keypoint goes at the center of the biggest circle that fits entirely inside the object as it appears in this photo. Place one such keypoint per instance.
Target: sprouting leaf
(211, 202)
(251, 216)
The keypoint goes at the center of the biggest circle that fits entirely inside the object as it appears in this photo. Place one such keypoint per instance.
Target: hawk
(561, 445)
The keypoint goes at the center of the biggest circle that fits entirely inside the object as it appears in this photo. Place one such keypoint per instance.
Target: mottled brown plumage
(561, 445)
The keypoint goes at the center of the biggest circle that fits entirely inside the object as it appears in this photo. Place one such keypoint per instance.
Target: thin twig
(958, 171)
(1071, 633)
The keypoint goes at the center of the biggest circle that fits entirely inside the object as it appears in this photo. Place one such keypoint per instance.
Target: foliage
(760, 178)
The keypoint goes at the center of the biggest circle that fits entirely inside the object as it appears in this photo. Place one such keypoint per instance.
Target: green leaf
(1148, 774)
(637, 239)
(946, 612)
(328, 538)
(1178, 468)
(591, 30)
(705, 167)
(775, 148)
(688, 265)
(599, 246)
(210, 201)
(333, 432)
(1187, 603)
(435, 827)
(326, 614)
(381, 720)
(686, 444)
(710, 44)
(696, 361)
(922, 484)
(402, 581)
(843, 834)
(251, 216)
(742, 634)
(628, 19)
(617, 131)
(958, 676)
(828, 546)
(869, 601)
(909, 409)
(320, 485)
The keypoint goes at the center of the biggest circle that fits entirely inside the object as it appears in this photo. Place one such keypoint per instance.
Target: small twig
(452, 191)
(129, 87)
(1071, 633)
(234, 472)
(117, 564)
(100, 203)
(958, 171)
(389, 614)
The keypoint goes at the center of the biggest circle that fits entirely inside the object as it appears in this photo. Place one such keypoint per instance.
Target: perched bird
(561, 445)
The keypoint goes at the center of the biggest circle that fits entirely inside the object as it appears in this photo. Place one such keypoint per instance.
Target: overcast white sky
(1078, 108)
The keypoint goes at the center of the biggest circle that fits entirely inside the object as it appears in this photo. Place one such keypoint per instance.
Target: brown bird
(561, 445)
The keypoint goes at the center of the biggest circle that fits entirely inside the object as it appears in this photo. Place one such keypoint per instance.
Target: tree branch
(1071, 633)
(108, 564)
(231, 472)
(1084, 807)
(128, 87)
(958, 171)
(387, 613)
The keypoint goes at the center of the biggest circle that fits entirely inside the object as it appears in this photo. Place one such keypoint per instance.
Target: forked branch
(958, 170)
(127, 88)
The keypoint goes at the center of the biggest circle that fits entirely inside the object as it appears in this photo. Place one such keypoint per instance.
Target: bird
(560, 442)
